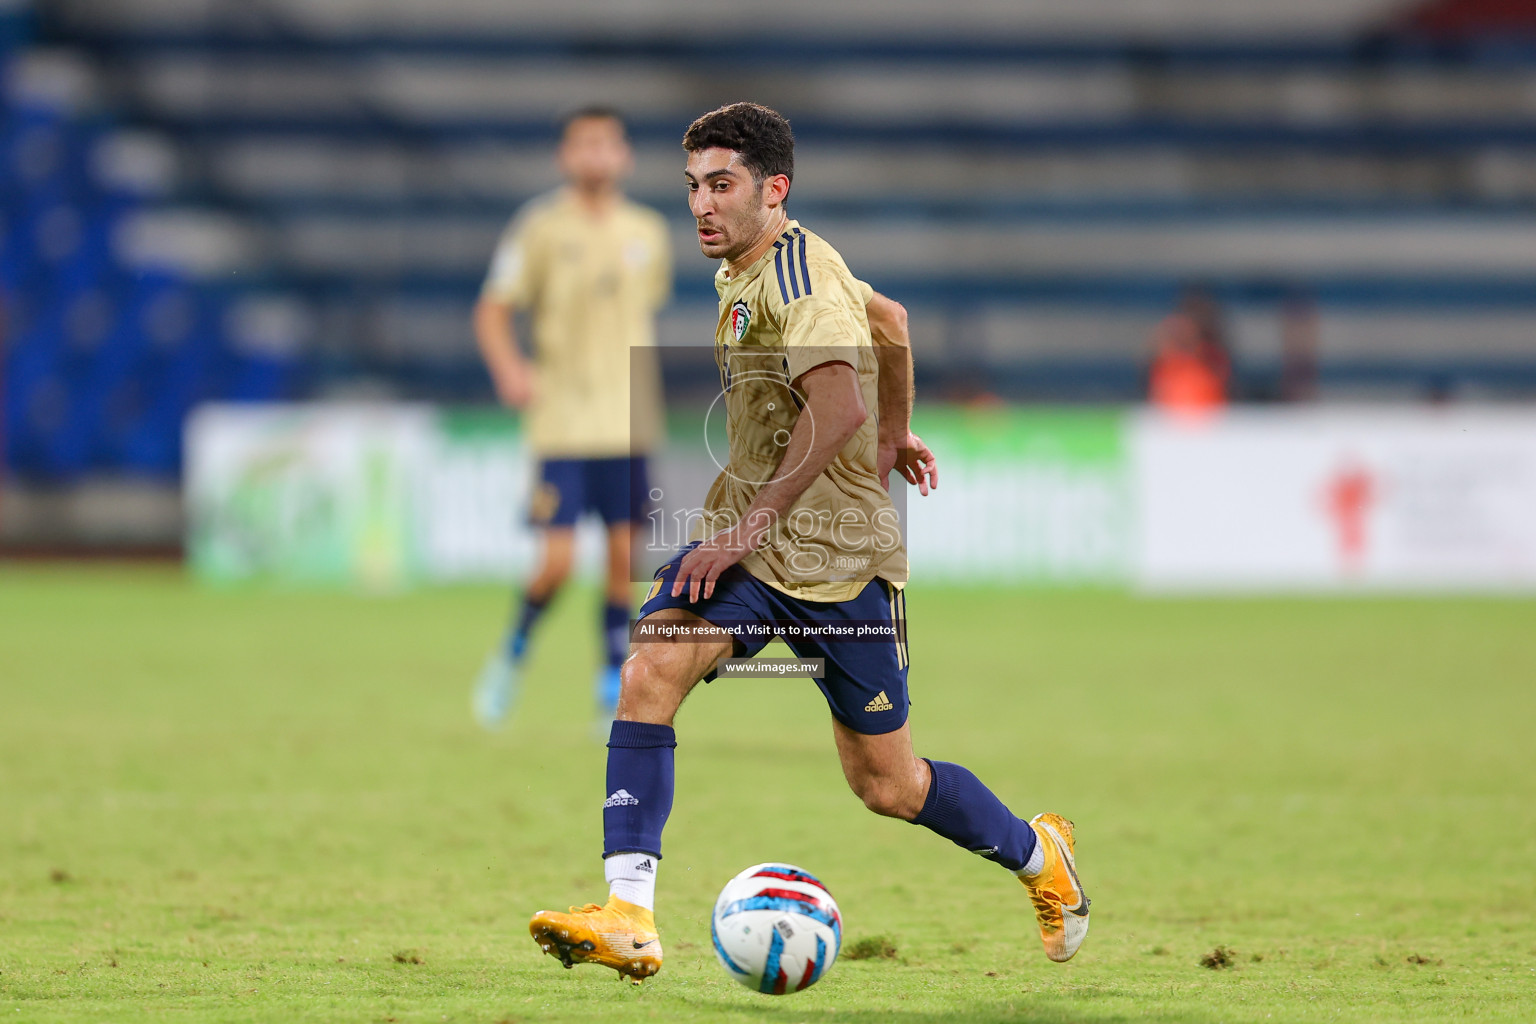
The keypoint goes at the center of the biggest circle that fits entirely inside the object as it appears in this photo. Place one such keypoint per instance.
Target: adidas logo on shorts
(621, 798)
(880, 703)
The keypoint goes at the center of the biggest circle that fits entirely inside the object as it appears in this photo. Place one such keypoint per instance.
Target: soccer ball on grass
(776, 929)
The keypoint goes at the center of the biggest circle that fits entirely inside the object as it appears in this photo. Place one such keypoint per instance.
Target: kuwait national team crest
(741, 317)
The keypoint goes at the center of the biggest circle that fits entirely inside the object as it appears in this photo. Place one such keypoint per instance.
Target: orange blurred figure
(1190, 366)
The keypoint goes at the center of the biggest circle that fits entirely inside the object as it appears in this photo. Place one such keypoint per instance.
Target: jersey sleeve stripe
(786, 249)
(789, 250)
(778, 264)
(787, 240)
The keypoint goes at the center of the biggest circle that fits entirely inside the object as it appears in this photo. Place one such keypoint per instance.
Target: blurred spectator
(1469, 18)
(1298, 348)
(1191, 367)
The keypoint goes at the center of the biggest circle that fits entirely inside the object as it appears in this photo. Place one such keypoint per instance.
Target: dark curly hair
(762, 137)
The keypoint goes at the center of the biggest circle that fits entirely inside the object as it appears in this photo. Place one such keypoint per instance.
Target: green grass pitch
(272, 806)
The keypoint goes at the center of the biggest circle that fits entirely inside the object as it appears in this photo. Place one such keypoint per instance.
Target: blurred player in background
(591, 268)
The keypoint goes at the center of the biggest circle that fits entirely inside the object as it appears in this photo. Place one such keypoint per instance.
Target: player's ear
(776, 190)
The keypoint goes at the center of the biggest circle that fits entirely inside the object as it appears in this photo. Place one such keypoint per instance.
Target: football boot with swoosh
(619, 935)
(1061, 905)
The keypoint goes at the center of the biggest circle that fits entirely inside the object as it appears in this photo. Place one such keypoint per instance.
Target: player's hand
(702, 566)
(914, 459)
(515, 387)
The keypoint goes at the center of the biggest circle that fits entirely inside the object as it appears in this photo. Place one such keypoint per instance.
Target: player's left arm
(834, 411)
(898, 447)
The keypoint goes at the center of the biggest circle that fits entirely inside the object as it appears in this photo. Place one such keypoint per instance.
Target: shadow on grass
(1024, 1010)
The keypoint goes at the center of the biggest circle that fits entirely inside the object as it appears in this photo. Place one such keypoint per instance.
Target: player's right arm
(511, 372)
(898, 447)
(510, 285)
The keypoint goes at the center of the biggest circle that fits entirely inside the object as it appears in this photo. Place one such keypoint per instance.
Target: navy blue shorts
(865, 682)
(616, 489)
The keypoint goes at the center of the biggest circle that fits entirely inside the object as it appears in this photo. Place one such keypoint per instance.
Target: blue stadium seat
(103, 360)
(380, 155)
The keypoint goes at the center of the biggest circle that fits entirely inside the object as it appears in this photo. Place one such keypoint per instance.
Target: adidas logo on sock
(880, 703)
(621, 798)
(646, 864)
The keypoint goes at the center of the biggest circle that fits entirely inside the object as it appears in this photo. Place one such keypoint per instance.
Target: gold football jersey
(593, 287)
(797, 308)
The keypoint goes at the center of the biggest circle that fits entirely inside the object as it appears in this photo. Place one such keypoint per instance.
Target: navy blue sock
(527, 618)
(616, 633)
(639, 787)
(965, 812)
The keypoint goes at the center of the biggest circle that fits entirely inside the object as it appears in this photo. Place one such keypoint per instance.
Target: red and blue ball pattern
(776, 929)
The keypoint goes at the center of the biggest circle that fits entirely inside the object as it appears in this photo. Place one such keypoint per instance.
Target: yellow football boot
(619, 935)
(1061, 905)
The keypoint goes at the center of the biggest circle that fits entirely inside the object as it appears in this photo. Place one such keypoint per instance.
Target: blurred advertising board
(383, 496)
(1261, 499)
(1396, 499)
(379, 496)
(1034, 496)
(306, 494)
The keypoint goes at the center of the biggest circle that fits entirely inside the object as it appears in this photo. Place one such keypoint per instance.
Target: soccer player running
(798, 528)
(593, 268)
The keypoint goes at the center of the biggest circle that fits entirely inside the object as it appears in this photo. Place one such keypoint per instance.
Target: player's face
(731, 209)
(594, 154)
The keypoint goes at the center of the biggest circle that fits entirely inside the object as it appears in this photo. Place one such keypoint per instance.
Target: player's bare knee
(544, 588)
(885, 796)
(648, 687)
(638, 675)
(551, 576)
(558, 570)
